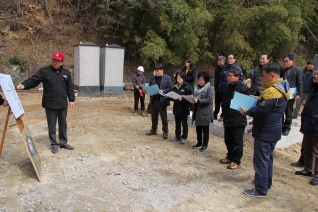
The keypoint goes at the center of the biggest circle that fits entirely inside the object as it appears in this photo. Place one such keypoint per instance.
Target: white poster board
(11, 95)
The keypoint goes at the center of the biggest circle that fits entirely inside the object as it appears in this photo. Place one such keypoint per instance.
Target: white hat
(140, 68)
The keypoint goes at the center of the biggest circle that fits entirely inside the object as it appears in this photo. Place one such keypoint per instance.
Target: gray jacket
(203, 110)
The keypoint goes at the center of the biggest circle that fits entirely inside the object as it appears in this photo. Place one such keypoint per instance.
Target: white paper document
(11, 95)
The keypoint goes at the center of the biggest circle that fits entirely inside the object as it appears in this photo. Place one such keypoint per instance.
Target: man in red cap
(57, 87)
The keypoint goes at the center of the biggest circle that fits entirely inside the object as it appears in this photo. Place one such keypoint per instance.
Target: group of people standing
(270, 84)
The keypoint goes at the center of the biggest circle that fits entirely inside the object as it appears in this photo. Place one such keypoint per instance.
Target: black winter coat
(182, 108)
(294, 77)
(233, 117)
(309, 116)
(57, 86)
(191, 76)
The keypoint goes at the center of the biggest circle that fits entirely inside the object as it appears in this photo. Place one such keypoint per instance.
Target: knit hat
(221, 58)
(140, 68)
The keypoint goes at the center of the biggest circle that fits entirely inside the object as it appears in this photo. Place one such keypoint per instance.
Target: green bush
(20, 61)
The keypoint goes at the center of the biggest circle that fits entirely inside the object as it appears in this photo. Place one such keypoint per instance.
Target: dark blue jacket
(309, 116)
(269, 110)
(223, 80)
(165, 86)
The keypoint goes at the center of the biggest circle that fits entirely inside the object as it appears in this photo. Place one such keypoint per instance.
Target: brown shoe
(297, 164)
(67, 146)
(233, 166)
(55, 149)
(165, 135)
(151, 132)
(225, 161)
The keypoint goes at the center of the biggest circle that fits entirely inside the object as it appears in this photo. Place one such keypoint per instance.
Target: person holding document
(234, 121)
(181, 107)
(158, 102)
(267, 127)
(293, 75)
(203, 110)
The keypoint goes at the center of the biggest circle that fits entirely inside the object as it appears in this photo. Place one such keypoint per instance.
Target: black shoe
(304, 172)
(297, 164)
(151, 132)
(197, 146)
(253, 193)
(67, 146)
(55, 149)
(220, 119)
(165, 135)
(314, 181)
(285, 132)
(203, 148)
(294, 117)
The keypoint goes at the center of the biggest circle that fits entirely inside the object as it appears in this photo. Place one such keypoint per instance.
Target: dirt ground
(116, 167)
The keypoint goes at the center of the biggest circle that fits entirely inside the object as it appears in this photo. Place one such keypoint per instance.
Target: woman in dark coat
(191, 73)
(203, 110)
(181, 107)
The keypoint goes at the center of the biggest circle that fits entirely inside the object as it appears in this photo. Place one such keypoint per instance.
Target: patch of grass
(20, 61)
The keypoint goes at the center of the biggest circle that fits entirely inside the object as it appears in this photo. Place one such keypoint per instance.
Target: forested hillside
(160, 30)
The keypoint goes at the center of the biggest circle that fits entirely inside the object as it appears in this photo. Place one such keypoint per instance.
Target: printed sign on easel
(16, 107)
(11, 95)
(32, 152)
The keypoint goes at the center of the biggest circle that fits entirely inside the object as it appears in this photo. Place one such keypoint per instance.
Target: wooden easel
(19, 123)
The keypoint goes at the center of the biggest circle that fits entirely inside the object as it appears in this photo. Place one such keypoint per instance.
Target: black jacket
(233, 117)
(182, 107)
(57, 86)
(217, 77)
(294, 78)
(307, 79)
(191, 76)
(309, 116)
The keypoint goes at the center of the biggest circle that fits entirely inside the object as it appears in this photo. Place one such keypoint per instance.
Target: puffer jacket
(191, 75)
(233, 117)
(182, 107)
(309, 116)
(269, 110)
(223, 80)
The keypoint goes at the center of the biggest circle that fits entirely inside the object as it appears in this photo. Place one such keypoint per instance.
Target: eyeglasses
(230, 58)
(230, 75)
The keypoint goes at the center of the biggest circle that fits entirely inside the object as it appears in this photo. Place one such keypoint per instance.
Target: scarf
(187, 69)
(201, 91)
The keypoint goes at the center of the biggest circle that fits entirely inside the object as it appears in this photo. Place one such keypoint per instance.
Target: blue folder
(152, 89)
(292, 92)
(243, 100)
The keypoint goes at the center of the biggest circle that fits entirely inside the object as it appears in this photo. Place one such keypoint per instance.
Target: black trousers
(218, 101)
(205, 131)
(184, 121)
(233, 137)
(288, 115)
(156, 109)
(52, 115)
(142, 101)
